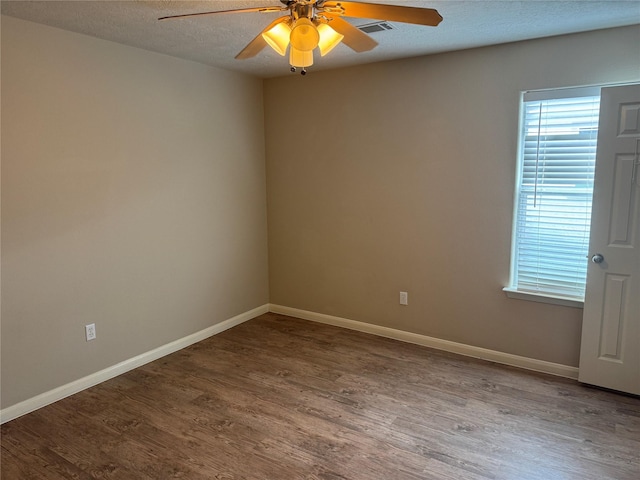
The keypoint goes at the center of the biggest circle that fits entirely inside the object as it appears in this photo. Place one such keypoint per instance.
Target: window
(554, 188)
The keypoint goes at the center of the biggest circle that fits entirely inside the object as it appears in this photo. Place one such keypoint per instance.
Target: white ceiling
(215, 40)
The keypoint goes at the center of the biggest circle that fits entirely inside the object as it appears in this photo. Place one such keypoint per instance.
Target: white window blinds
(554, 192)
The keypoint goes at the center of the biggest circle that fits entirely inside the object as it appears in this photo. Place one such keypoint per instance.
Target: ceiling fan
(318, 23)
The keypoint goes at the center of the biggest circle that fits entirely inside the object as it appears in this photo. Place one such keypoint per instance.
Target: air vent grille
(376, 27)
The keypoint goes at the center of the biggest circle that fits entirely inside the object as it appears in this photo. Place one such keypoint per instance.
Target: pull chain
(535, 185)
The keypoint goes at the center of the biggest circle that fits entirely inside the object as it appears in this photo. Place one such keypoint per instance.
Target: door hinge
(636, 162)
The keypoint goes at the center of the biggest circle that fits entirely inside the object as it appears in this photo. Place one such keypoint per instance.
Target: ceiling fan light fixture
(300, 58)
(329, 38)
(304, 35)
(305, 26)
(278, 37)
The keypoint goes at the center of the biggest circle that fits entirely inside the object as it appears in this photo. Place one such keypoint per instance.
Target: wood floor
(278, 398)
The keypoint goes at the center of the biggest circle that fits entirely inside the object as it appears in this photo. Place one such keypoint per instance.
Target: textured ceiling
(215, 40)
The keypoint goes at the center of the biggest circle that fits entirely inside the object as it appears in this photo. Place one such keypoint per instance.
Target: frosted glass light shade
(278, 37)
(329, 38)
(304, 35)
(300, 58)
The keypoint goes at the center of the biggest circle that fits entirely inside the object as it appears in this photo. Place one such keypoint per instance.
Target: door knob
(597, 258)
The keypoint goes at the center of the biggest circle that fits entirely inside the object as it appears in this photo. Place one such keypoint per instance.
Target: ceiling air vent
(376, 27)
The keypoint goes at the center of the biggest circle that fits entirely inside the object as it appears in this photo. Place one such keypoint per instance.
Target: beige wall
(133, 197)
(399, 176)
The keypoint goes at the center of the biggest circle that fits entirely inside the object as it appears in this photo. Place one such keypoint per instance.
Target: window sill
(537, 297)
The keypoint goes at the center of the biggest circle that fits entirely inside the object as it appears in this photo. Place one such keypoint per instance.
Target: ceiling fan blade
(256, 45)
(354, 38)
(267, 9)
(394, 13)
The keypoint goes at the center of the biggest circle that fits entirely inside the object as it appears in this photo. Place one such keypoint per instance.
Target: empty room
(325, 240)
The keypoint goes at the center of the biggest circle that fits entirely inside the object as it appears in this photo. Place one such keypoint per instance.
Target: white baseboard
(439, 344)
(76, 386)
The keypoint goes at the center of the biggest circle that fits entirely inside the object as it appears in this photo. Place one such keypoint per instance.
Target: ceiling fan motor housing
(301, 10)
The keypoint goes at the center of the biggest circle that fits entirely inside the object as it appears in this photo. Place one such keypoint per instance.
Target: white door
(610, 349)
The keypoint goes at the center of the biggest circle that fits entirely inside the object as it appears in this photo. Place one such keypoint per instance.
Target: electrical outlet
(404, 298)
(90, 331)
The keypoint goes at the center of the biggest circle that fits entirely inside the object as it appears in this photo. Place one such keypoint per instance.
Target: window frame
(511, 289)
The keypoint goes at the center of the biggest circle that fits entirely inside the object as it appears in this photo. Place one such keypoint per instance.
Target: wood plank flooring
(279, 398)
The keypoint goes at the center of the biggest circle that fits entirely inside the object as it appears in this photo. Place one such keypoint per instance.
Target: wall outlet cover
(90, 331)
(404, 298)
